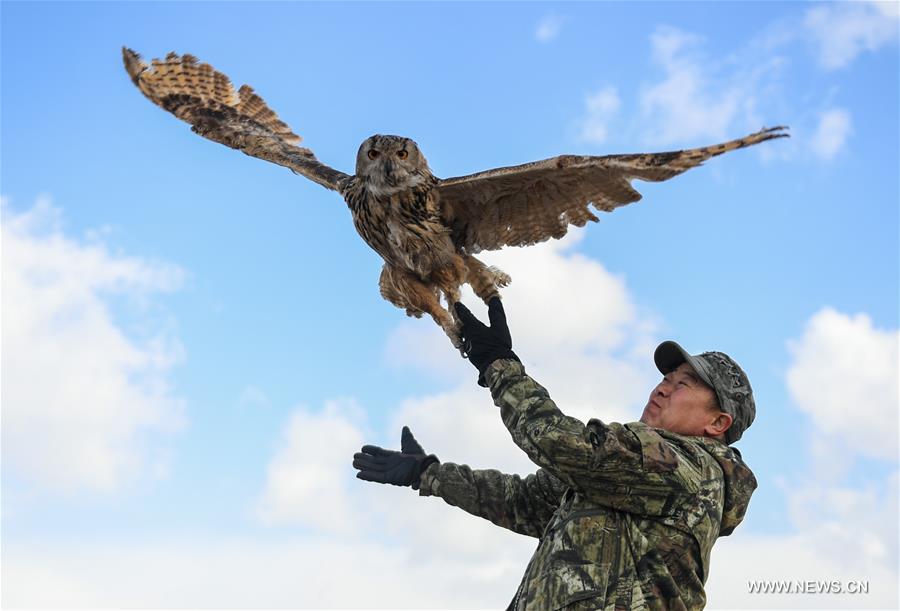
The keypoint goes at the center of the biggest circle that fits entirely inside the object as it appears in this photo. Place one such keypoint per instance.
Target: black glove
(403, 468)
(484, 345)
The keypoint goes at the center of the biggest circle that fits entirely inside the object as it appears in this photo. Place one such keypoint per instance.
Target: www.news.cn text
(809, 586)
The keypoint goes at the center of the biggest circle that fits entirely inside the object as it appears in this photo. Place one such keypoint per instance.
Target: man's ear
(719, 425)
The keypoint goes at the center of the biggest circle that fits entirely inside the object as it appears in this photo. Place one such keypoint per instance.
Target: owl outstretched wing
(530, 203)
(205, 98)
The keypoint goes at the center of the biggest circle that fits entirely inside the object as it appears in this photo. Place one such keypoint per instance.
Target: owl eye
(402, 154)
(373, 154)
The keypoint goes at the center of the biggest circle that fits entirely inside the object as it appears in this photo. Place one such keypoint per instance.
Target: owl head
(391, 163)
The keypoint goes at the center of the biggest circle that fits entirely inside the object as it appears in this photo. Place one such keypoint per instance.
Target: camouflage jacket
(626, 515)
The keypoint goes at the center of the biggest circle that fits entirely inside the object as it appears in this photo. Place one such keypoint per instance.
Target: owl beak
(389, 169)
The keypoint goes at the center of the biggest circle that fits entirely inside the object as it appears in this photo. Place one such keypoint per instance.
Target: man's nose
(663, 388)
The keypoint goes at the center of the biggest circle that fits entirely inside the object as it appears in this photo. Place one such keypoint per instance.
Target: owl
(426, 229)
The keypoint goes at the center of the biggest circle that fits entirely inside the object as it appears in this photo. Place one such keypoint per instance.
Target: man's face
(681, 403)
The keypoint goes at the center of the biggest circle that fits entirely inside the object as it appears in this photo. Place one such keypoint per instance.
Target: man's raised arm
(628, 467)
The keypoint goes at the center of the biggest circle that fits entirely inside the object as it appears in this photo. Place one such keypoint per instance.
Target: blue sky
(194, 343)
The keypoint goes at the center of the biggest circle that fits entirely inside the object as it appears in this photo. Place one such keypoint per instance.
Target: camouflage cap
(723, 375)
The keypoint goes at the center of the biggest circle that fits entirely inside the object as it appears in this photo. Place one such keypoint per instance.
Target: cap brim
(669, 355)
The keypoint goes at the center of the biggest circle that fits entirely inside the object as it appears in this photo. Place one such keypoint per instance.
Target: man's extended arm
(521, 505)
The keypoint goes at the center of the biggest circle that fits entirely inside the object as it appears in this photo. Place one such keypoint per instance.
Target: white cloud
(689, 103)
(838, 532)
(546, 277)
(462, 425)
(306, 481)
(548, 28)
(600, 108)
(695, 98)
(835, 126)
(842, 31)
(887, 8)
(844, 374)
(83, 403)
(593, 352)
(291, 572)
(387, 533)
(853, 526)
(465, 562)
(419, 345)
(795, 557)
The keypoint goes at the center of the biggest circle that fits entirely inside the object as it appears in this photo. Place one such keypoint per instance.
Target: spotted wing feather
(530, 203)
(200, 95)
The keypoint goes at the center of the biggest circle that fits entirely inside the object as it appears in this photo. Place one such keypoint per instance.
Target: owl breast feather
(404, 228)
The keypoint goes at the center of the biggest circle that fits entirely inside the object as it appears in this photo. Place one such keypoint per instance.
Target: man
(626, 515)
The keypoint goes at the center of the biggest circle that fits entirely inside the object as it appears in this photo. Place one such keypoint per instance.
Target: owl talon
(455, 338)
(453, 332)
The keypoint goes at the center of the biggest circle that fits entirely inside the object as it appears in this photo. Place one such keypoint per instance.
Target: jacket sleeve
(627, 467)
(521, 505)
